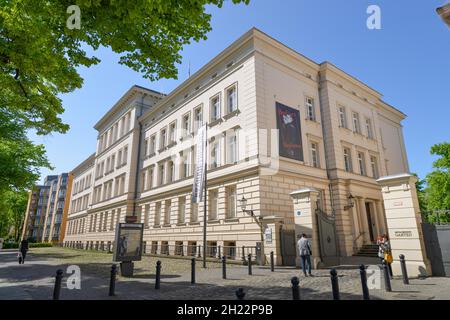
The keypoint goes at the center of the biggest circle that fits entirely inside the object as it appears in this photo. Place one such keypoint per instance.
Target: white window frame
(310, 109)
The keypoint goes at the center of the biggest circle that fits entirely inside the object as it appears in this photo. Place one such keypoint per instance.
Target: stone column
(305, 206)
(404, 224)
(364, 222)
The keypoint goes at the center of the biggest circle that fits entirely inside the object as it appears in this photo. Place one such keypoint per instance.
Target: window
(162, 139)
(342, 117)
(181, 209)
(362, 163)
(186, 124)
(310, 111)
(374, 165)
(198, 117)
(157, 214)
(194, 212)
(171, 172)
(113, 214)
(172, 132)
(232, 99)
(119, 158)
(143, 180)
(168, 212)
(149, 183)
(215, 154)
(213, 204)
(146, 215)
(315, 155)
(146, 143)
(356, 125)
(152, 145)
(161, 174)
(369, 128)
(215, 108)
(232, 147)
(185, 164)
(347, 160)
(125, 155)
(231, 202)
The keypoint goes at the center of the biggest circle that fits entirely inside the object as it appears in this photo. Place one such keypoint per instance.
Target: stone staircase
(368, 250)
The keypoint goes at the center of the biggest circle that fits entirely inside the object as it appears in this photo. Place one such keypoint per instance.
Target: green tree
(13, 205)
(20, 159)
(438, 181)
(40, 53)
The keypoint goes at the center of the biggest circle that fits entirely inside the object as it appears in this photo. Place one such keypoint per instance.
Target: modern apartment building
(277, 122)
(47, 210)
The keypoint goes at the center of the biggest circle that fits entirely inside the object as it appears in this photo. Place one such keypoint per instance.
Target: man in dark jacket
(23, 248)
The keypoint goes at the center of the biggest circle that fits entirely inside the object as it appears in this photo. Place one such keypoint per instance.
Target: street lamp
(258, 220)
(351, 204)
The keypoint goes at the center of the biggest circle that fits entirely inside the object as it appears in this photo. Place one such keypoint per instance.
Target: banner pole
(205, 203)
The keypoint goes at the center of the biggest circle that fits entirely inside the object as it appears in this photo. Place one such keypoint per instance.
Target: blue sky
(407, 61)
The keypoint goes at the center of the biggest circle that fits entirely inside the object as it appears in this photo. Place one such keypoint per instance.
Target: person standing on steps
(304, 250)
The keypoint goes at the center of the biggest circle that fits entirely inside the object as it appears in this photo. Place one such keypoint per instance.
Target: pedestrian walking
(23, 249)
(385, 247)
(305, 252)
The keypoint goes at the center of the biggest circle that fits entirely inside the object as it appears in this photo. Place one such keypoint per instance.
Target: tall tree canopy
(40, 52)
(438, 181)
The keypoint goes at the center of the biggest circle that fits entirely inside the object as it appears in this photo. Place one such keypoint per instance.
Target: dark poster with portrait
(290, 136)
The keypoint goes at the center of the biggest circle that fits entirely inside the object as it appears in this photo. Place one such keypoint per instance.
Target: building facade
(277, 122)
(47, 210)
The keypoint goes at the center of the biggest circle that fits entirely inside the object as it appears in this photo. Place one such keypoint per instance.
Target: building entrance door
(371, 222)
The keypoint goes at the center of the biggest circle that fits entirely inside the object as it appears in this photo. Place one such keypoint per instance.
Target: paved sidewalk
(35, 280)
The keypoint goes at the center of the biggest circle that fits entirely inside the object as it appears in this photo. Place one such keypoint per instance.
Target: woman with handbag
(386, 246)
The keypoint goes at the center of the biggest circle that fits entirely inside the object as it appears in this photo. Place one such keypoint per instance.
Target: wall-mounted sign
(403, 234)
(398, 203)
(298, 213)
(290, 137)
(268, 235)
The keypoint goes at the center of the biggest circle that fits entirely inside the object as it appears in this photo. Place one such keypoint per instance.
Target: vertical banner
(200, 162)
(290, 141)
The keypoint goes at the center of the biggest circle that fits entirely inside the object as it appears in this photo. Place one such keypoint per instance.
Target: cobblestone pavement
(35, 280)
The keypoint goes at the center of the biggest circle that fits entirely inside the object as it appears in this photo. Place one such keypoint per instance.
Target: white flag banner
(200, 161)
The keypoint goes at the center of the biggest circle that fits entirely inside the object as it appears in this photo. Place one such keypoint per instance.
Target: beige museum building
(144, 162)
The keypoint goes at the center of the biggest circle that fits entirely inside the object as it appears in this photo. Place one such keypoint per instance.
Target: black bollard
(57, 288)
(199, 254)
(218, 254)
(193, 270)
(243, 253)
(224, 267)
(158, 275)
(272, 262)
(387, 277)
(404, 271)
(250, 264)
(295, 288)
(365, 288)
(240, 294)
(335, 284)
(112, 280)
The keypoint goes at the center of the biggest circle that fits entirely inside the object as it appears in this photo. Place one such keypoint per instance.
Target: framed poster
(128, 242)
(290, 136)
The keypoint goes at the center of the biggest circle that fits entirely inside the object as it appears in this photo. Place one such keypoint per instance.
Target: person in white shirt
(304, 250)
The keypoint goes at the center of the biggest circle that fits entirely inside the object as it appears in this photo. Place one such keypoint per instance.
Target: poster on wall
(128, 242)
(290, 137)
